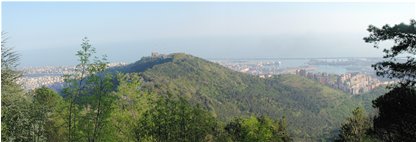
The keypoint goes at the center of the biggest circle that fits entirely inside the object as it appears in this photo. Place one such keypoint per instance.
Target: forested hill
(312, 110)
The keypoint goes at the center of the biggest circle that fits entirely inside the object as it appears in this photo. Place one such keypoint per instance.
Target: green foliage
(195, 98)
(129, 107)
(25, 116)
(45, 115)
(9, 75)
(257, 129)
(99, 105)
(175, 120)
(366, 98)
(9, 61)
(396, 120)
(74, 88)
(89, 97)
(16, 111)
(34, 116)
(356, 127)
(96, 106)
(15, 104)
(404, 37)
(312, 109)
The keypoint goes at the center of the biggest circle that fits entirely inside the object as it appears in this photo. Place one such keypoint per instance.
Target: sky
(49, 33)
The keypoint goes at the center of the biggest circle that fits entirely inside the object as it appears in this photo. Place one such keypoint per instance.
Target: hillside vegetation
(312, 109)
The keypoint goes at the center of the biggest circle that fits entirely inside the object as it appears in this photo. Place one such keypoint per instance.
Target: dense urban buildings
(350, 81)
(351, 75)
(50, 76)
(354, 83)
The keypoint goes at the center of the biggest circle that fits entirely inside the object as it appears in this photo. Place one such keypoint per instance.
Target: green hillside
(312, 110)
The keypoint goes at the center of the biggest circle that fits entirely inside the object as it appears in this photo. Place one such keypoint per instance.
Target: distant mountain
(313, 110)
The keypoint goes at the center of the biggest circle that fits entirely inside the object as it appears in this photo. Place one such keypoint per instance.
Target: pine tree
(356, 127)
(396, 120)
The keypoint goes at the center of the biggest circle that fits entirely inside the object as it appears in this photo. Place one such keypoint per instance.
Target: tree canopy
(404, 38)
(356, 128)
(396, 119)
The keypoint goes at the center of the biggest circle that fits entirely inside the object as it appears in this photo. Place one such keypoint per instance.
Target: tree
(396, 120)
(45, 120)
(9, 61)
(356, 127)
(404, 38)
(16, 110)
(280, 131)
(130, 104)
(15, 104)
(9, 74)
(175, 120)
(74, 86)
(257, 129)
(88, 93)
(234, 129)
(97, 102)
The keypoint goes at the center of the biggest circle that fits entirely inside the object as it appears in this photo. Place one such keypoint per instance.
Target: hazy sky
(49, 33)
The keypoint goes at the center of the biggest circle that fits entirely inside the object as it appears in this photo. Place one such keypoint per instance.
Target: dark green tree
(175, 120)
(356, 127)
(235, 130)
(281, 131)
(396, 120)
(404, 38)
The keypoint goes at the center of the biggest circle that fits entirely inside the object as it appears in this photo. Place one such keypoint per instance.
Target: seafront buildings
(353, 83)
(49, 76)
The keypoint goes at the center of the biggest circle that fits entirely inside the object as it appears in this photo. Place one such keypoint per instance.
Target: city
(208, 71)
(351, 75)
(49, 76)
(354, 82)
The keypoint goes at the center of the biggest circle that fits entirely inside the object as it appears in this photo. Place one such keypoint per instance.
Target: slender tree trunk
(69, 120)
(72, 111)
(98, 120)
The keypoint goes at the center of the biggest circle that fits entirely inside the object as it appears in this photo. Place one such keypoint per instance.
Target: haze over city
(127, 31)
